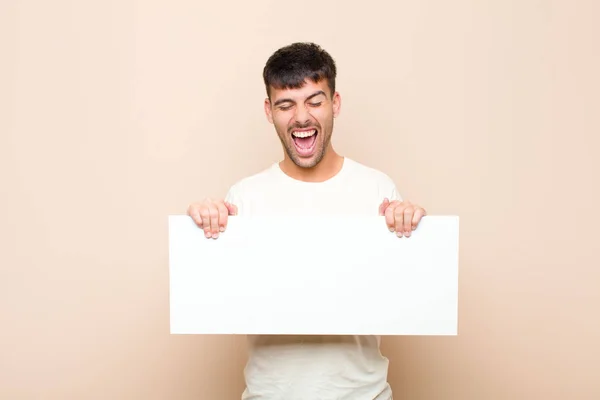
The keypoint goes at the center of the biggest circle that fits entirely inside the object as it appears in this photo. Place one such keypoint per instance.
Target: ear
(337, 104)
(268, 111)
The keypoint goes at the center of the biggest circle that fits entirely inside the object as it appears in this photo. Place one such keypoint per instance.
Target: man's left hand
(401, 217)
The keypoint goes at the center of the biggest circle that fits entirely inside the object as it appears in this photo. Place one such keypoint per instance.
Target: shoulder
(253, 182)
(373, 178)
(371, 174)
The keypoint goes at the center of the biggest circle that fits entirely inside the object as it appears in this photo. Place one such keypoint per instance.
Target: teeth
(304, 134)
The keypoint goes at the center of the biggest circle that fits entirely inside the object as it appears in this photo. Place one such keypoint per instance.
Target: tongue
(305, 143)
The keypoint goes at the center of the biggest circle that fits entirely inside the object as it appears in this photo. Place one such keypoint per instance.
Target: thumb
(383, 206)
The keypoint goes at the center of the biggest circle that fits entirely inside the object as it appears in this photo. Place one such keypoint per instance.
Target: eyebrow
(287, 100)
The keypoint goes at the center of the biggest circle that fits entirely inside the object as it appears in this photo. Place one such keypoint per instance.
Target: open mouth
(305, 140)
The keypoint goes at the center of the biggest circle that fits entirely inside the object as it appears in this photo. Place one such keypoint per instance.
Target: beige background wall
(115, 114)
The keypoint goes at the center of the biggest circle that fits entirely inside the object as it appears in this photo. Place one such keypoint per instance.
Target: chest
(346, 200)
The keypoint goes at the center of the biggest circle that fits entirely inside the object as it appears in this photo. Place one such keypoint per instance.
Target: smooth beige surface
(115, 114)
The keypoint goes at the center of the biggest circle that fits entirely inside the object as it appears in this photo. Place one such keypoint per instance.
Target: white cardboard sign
(314, 275)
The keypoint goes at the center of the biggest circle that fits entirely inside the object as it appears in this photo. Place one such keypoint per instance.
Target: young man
(312, 179)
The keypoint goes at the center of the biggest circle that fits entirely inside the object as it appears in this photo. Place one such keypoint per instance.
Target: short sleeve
(233, 196)
(395, 195)
(388, 189)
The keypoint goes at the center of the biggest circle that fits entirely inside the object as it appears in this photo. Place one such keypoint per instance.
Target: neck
(329, 166)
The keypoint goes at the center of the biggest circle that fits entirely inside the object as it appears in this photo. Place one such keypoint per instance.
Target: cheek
(281, 123)
(323, 117)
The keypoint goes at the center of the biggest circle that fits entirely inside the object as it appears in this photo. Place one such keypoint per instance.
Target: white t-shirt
(303, 367)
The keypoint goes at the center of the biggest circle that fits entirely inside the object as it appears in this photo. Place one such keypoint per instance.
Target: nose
(302, 115)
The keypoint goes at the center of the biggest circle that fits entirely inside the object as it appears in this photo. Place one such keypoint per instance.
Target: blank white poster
(314, 275)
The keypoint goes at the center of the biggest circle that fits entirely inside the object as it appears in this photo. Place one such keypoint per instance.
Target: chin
(307, 162)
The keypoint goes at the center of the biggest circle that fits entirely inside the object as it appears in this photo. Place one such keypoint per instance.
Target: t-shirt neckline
(336, 177)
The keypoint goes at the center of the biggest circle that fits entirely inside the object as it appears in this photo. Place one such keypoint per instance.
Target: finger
(232, 208)
(223, 212)
(408, 216)
(389, 217)
(205, 215)
(419, 213)
(399, 220)
(194, 213)
(214, 220)
(383, 206)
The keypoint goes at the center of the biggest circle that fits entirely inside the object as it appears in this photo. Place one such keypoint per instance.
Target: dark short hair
(290, 66)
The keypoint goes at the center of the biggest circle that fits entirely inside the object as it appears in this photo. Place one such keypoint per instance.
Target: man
(312, 179)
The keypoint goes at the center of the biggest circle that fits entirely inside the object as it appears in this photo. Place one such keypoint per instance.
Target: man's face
(303, 119)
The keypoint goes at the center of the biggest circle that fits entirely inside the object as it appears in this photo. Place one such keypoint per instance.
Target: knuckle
(193, 208)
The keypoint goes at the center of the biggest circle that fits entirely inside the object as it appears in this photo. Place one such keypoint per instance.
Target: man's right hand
(211, 215)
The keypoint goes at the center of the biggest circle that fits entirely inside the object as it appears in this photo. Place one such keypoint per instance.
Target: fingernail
(207, 234)
(215, 235)
(399, 234)
(391, 229)
(222, 229)
(407, 234)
